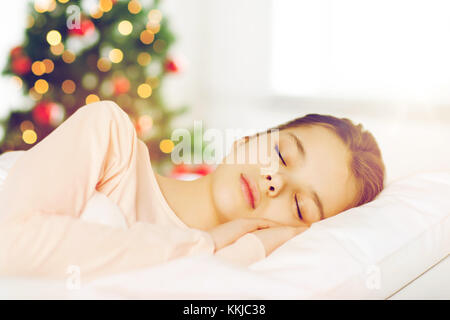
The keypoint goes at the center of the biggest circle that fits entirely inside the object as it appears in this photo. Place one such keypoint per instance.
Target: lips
(250, 190)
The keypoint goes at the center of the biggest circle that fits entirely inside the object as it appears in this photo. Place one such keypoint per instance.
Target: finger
(283, 232)
(252, 224)
(227, 233)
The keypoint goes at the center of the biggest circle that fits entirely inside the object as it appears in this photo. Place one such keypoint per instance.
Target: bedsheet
(164, 282)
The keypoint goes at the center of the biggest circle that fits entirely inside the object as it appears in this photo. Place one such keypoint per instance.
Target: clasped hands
(272, 234)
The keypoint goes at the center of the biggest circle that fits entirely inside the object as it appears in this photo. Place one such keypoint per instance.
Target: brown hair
(366, 163)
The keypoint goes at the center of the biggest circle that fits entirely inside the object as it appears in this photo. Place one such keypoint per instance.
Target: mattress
(434, 284)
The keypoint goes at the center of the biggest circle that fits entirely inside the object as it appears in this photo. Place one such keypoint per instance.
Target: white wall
(12, 22)
(228, 46)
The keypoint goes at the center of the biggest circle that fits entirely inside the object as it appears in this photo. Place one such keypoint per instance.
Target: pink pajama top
(48, 187)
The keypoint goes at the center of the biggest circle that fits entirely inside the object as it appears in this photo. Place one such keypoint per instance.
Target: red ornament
(121, 85)
(171, 66)
(87, 27)
(16, 52)
(21, 65)
(137, 126)
(183, 171)
(139, 129)
(48, 113)
(203, 169)
(180, 169)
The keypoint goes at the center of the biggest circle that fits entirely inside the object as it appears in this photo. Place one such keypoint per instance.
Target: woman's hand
(226, 233)
(274, 237)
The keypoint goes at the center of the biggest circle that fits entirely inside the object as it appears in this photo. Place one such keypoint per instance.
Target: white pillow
(373, 250)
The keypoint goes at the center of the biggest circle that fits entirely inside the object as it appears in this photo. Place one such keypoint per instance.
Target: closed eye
(279, 154)
(298, 209)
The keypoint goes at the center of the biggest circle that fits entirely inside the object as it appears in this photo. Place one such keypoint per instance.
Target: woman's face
(313, 171)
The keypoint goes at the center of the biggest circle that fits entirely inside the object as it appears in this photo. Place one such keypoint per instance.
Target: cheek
(277, 210)
(225, 192)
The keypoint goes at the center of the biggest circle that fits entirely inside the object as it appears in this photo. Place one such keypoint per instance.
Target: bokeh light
(26, 125)
(96, 13)
(153, 28)
(146, 37)
(106, 5)
(51, 5)
(121, 85)
(58, 49)
(115, 55)
(92, 98)
(107, 88)
(159, 46)
(144, 58)
(38, 68)
(49, 65)
(145, 122)
(103, 64)
(41, 86)
(29, 136)
(68, 56)
(89, 81)
(41, 5)
(154, 16)
(34, 95)
(144, 90)
(17, 81)
(68, 86)
(125, 27)
(134, 7)
(166, 145)
(53, 37)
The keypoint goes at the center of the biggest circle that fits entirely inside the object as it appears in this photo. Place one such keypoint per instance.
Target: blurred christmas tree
(80, 51)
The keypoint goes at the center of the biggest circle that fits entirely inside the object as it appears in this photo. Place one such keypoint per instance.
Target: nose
(273, 184)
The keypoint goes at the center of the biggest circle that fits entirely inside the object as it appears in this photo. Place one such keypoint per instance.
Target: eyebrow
(298, 143)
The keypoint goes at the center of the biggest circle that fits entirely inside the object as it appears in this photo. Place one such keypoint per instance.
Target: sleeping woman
(326, 165)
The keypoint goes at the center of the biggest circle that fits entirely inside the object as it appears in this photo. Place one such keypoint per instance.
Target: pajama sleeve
(48, 187)
(243, 252)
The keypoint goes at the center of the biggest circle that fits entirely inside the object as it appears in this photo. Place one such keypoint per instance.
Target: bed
(395, 247)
